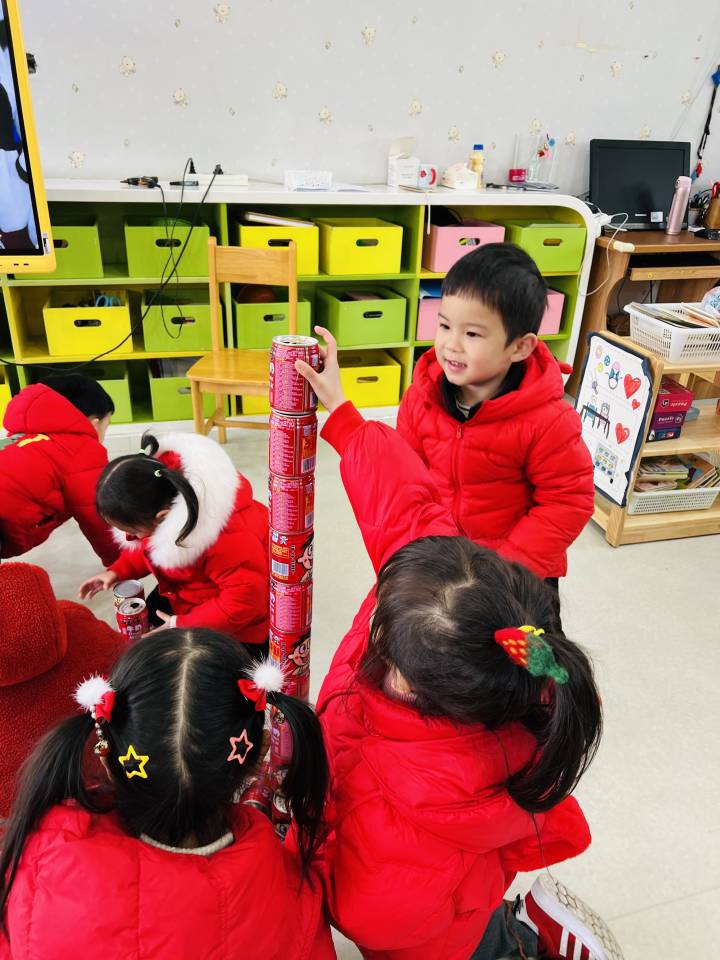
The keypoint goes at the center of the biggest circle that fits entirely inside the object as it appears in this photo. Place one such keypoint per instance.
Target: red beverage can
(289, 391)
(293, 444)
(291, 503)
(290, 606)
(128, 590)
(132, 618)
(291, 651)
(257, 791)
(291, 556)
(280, 815)
(281, 741)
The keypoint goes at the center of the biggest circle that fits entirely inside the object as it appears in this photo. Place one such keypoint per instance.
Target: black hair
(83, 392)
(177, 702)
(505, 279)
(439, 602)
(132, 490)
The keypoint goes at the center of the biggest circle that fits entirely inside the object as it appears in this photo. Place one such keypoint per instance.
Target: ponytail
(306, 781)
(568, 730)
(133, 489)
(52, 773)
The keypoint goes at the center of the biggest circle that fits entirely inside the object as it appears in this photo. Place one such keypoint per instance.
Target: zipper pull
(459, 431)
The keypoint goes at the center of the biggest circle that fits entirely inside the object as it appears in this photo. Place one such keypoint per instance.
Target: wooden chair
(232, 373)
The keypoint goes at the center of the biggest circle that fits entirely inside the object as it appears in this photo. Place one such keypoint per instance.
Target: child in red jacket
(50, 472)
(190, 519)
(46, 648)
(162, 865)
(486, 413)
(458, 718)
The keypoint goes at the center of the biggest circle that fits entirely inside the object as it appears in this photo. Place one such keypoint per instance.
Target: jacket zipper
(456, 477)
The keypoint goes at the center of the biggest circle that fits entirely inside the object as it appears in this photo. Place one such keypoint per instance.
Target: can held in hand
(128, 590)
(289, 391)
(132, 618)
(291, 556)
(293, 444)
(292, 503)
(290, 607)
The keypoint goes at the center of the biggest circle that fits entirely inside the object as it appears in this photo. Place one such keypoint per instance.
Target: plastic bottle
(476, 163)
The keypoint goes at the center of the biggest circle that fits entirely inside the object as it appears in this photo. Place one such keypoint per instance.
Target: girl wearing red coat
(458, 718)
(189, 519)
(162, 865)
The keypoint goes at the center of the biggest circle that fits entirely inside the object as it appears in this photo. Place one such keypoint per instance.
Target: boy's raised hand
(326, 382)
(103, 581)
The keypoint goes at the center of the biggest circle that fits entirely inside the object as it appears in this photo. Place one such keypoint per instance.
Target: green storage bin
(77, 252)
(177, 320)
(357, 322)
(257, 323)
(555, 247)
(149, 243)
(115, 379)
(172, 400)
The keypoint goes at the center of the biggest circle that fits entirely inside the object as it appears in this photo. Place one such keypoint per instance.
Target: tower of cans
(292, 454)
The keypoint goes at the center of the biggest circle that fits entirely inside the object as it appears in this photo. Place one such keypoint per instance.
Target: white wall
(130, 86)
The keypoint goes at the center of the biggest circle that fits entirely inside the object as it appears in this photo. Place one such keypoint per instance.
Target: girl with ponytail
(161, 863)
(458, 718)
(182, 512)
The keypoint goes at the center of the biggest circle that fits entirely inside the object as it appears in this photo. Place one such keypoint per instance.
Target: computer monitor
(637, 177)
(25, 240)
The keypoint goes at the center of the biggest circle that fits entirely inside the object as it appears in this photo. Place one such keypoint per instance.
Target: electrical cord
(163, 284)
(589, 293)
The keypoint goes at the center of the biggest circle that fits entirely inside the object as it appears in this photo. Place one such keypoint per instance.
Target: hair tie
(527, 647)
(264, 678)
(97, 697)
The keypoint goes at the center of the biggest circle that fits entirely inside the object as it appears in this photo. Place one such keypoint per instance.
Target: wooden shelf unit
(109, 204)
(701, 435)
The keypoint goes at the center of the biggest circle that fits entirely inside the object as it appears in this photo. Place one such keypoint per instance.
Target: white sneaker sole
(577, 917)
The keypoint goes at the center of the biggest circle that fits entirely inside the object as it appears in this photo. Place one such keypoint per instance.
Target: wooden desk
(685, 266)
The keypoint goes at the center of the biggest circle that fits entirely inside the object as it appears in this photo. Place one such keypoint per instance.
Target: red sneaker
(566, 927)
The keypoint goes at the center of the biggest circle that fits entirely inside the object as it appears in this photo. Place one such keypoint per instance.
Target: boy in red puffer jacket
(50, 472)
(486, 414)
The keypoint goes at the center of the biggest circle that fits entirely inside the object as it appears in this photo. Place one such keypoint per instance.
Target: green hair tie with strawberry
(527, 647)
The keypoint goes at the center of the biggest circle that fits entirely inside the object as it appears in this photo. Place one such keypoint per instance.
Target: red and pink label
(292, 503)
(291, 610)
(293, 444)
(291, 556)
(289, 391)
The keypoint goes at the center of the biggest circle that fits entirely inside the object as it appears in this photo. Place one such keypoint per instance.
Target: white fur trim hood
(213, 477)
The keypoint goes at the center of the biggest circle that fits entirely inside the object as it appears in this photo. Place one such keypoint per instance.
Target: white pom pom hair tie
(264, 678)
(97, 697)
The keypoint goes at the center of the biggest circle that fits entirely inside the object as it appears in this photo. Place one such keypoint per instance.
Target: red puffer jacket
(516, 477)
(218, 576)
(50, 474)
(47, 647)
(424, 843)
(86, 889)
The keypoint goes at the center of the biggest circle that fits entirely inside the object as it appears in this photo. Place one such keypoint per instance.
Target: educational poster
(613, 402)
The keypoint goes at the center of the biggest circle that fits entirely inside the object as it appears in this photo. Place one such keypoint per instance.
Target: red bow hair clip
(265, 677)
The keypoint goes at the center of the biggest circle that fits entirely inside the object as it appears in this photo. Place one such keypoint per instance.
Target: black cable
(164, 283)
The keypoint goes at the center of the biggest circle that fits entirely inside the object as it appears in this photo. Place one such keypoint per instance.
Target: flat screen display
(637, 177)
(19, 224)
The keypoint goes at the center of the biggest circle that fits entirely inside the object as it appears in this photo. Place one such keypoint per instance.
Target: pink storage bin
(444, 246)
(553, 313)
(427, 320)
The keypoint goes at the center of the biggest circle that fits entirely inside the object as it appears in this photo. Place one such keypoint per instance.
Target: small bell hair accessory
(97, 697)
(527, 647)
(265, 677)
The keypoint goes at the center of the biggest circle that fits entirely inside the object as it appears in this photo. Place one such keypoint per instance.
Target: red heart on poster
(635, 404)
(632, 385)
(621, 432)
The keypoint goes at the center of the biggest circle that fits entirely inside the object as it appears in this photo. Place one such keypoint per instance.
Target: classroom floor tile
(649, 615)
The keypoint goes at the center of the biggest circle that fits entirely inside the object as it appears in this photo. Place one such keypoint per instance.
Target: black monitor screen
(637, 177)
(19, 229)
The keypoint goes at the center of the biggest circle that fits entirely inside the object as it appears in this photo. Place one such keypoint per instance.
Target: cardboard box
(672, 397)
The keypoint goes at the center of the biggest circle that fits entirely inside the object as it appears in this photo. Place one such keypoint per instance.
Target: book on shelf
(685, 472)
(685, 315)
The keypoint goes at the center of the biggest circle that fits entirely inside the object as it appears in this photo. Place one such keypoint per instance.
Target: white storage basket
(676, 344)
(667, 501)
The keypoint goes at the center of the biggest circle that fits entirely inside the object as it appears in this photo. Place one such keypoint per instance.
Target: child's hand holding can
(326, 383)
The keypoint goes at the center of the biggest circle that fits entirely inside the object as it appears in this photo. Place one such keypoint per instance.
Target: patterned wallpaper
(129, 87)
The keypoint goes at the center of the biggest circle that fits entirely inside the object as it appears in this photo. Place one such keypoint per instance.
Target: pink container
(444, 246)
(427, 321)
(553, 314)
(673, 397)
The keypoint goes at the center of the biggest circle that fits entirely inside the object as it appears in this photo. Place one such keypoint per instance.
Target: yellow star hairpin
(141, 761)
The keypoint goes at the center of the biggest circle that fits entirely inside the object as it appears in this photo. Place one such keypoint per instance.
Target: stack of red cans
(293, 445)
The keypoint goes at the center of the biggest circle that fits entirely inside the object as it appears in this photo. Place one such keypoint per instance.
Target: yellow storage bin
(307, 241)
(355, 246)
(74, 326)
(370, 378)
(5, 395)
(255, 406)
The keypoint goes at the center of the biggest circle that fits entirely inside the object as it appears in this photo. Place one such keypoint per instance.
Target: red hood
(542, 382)
(38, 409)
(441, 776)
(33, 635)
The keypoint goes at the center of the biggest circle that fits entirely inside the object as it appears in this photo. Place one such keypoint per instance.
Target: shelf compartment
(644, 528)
(695, 437)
